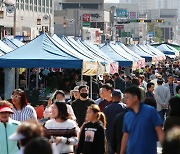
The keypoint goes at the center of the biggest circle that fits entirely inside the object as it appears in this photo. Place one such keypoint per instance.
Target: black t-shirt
(80, 108)
(92, 139)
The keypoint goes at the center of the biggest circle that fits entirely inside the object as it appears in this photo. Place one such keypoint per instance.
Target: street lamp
(1, 14)
(48, 17)
(65, 25)
(38, 21)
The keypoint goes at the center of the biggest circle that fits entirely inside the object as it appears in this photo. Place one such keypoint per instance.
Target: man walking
(142, 125)
(111, 111)
(171, 85)
(80, 105)
(162, 97)
(119, 82)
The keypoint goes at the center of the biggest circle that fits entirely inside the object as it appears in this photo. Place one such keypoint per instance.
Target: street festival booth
(113, 66)
(155, 50)
(91, 66)
(13, 43)
(148, 57)
(123, 52)
(140, 61)
(122, 60)
(154, 56)
(158, 57)
(39, 53)
(168, 50)
(100, 65)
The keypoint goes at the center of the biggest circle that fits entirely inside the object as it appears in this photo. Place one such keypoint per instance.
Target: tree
(158, 34)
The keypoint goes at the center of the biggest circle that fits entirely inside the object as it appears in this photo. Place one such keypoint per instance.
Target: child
(92, 137)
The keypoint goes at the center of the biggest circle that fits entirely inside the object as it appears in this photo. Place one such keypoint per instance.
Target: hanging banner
(90, 68)
(114, 67)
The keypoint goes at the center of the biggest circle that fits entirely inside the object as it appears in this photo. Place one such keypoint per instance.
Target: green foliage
(153, 27)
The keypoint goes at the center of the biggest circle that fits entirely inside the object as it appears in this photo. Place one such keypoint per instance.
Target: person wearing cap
(74, 94)
(111, 111)
(7, 127)
(58, 96)
(162, 97)
(25, 133)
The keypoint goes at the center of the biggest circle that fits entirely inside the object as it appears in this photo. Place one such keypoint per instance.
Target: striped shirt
(67, 130)
(27, 113)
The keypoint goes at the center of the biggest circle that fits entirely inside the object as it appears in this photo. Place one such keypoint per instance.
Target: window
(47, 3)
(35, 5)
(89, 6)
(50, 3)
(70, 5)
(39, 5)
(22, 4)
(39, 2)
(43, 3)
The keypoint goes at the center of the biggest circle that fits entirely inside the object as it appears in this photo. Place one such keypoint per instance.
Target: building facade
(80, 18)
(29, 18)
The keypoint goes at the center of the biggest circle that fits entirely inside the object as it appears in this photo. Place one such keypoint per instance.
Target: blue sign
(121, 13)
(151, 34)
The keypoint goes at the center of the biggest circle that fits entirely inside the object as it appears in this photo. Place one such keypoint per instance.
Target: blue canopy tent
(40, 52)
(156, 51)
(108, 50)
(134, 55)
(13, 43)
(94, 49)
(4, 48)
(141, 53)
(168, 50)
(70, 50)
(72, 43)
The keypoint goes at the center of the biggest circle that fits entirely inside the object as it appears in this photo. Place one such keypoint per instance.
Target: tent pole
(17, 78)
(81, 76)
(37, 78)
(29, 78)
(26, 78)
(91, 86)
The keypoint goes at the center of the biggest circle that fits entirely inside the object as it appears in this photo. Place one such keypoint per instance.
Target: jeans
(162, 114)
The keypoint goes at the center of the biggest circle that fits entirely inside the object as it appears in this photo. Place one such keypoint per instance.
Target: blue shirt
(141, 129)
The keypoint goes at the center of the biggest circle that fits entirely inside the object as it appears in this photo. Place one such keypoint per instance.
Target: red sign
(86, 17)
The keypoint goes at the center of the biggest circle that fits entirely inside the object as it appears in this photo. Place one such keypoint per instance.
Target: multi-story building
(30, 18)
(72, 16)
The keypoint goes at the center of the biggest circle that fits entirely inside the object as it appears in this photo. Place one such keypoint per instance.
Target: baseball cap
(16, 136)
(5, 109)
(75, 89)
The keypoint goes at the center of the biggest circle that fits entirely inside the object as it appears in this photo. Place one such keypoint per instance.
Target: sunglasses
(15, 96)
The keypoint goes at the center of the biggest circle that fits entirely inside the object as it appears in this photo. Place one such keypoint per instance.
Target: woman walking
(92, 136)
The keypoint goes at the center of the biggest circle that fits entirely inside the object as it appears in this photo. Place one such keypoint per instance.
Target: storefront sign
(86, 17)
(133, 15)
(121, 13)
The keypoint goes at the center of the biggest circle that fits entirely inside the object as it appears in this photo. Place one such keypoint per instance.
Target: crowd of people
(129, 115)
